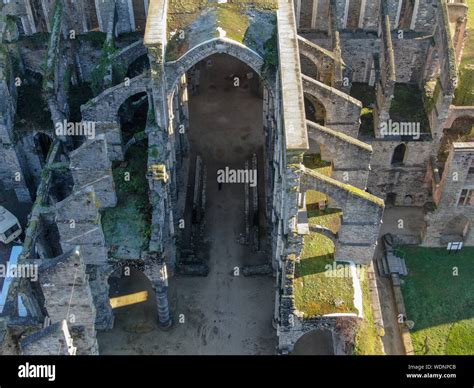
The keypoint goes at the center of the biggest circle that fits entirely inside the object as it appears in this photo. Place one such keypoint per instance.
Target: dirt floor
(220, 313)
(413, 223)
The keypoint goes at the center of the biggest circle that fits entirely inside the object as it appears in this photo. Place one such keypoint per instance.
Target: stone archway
(103, 110)
(362, 214)
(175, 69)
(133, 300)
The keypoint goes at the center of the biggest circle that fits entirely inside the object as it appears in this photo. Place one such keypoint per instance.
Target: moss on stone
(127, 226)
(231, 19)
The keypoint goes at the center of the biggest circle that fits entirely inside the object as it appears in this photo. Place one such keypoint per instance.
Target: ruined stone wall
(67, 296)
(371, 12)
(408, 179)
(385, 86)
(78, 221)
(53, 340)
(342, 111)
(425, 17)
(91, 166)
(450, 221)
(362, 214)
(13, 170)
(410, 56)
(358, 53)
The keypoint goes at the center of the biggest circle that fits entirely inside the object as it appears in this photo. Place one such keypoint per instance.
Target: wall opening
(398, 156)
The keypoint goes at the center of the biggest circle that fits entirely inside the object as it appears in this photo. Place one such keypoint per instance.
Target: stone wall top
(290, 72)
(155, 32)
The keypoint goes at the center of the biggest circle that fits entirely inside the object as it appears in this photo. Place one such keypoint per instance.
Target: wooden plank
(126, 300)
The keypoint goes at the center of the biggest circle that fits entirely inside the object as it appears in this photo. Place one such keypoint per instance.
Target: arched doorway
(139, 312)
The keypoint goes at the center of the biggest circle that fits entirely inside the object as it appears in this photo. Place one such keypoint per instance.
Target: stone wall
(409, 180)
(90, 165)
(342, 111)
(67, 296)
(103, 111)
(78, 220)
(350, 157)
(13, 172)
(451, 221)
(53, 340)
(385, 87)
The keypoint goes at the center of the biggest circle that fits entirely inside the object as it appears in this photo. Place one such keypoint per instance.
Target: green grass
(408, 106)
(440, 304)
(128, 224)
(315, 163)
(316, 293)
(367, 338)
(465, 91)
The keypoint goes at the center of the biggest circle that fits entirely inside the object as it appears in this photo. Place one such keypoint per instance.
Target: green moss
(271, 52)
(231, 17)
(128, 225)
(100, 71)
(464, 94)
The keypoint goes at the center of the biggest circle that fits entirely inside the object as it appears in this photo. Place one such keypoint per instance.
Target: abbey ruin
(116, 115)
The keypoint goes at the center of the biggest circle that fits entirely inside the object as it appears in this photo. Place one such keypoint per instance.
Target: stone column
(161, 289)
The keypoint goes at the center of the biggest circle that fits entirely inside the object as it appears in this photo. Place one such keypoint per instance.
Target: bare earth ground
(222, 314)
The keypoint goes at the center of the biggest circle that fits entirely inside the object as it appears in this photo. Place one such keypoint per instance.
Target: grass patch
(315, 163)
(464, 94)
(408, 106)
(317, 290)
(367, 339)
(128, 224)
(440, 304)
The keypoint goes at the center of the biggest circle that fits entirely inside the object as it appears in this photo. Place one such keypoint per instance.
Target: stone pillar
(161, 289)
